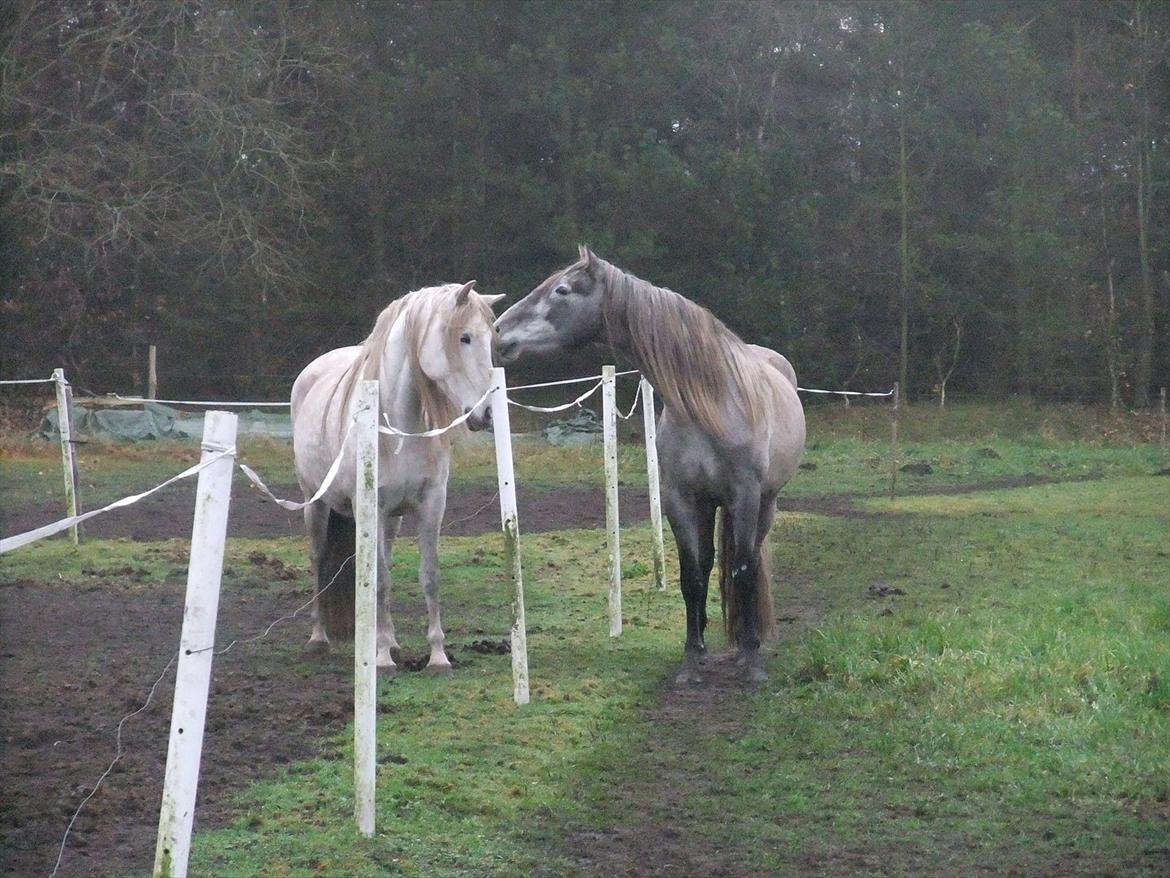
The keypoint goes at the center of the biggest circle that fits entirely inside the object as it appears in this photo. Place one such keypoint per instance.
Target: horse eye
(563, 289)
(465, 338)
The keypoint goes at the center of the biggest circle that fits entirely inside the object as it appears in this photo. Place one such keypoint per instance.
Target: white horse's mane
(419, 310)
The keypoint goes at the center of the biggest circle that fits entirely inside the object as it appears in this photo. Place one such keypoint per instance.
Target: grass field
(970, 679)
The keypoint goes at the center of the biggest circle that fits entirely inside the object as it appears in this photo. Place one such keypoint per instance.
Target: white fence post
(509, 520)
(365, 672)
(196, 647)
(650, 429)
(609, 425)
(65, 432)
(152, 373)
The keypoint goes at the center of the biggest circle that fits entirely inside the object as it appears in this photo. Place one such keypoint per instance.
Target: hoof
(689, 674)
(753, 668)
(439, 664)
(316, 649)
(755, 676)
(688, 677)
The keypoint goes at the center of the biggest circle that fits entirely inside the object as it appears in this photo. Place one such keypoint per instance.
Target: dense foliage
(861, 185)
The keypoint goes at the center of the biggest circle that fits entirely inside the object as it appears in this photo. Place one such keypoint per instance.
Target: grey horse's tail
(732, 608)
(335, 577)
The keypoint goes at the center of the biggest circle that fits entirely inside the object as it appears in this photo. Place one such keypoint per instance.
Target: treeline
(951, 194)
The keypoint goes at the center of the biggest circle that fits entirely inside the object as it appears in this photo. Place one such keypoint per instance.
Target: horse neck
(682, 350)
(399, 398)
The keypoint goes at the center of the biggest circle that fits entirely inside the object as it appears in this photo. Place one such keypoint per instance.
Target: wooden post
(1162, 409)
(609, 425)
(650, 429)
(152, 373)
(365, 671)
(196, 648)
(894, 441)
(65, 432)
(510, 523)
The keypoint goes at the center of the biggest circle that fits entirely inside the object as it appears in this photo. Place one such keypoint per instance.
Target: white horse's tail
(335, 577)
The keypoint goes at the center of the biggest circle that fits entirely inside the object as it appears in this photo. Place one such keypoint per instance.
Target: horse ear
(586, 255)
(491, 300)
(464, 293)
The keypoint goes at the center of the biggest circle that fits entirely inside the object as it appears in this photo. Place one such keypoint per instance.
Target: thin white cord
(469, 517)
(118, 753)
(204, 402)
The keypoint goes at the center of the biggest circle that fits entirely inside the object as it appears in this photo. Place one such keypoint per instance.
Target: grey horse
(731, 435)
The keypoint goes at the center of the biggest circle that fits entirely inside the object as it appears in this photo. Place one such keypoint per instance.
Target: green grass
(1012, 710)
(848, 453)
(1009, 713)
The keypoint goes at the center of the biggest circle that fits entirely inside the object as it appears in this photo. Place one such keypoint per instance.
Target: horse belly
(786, 441)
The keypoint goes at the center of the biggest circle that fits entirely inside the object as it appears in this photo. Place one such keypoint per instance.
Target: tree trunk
(1110, 314)
(1145, 341)
(903, 244)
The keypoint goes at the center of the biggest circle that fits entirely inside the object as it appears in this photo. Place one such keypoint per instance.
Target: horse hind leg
(430, 520)
(744, 583)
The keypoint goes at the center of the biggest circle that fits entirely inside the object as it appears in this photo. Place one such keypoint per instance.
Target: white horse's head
(454, 352)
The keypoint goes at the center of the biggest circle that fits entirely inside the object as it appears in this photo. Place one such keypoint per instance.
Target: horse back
(315, 399)
(767, 452)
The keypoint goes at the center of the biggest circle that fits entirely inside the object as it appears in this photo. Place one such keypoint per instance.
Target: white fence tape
(570, 381)
(844, 392)
(438, 431)
(294, 505)
(330, 475)
(16, 542)
(28, 381)
(558, 408)
(634, 406)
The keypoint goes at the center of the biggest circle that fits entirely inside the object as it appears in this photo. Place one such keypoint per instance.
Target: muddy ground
(75, 659)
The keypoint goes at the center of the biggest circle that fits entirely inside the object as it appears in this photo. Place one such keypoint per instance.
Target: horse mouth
(475, 423)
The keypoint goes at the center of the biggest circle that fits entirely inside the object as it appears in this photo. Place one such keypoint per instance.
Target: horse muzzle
(480, 420)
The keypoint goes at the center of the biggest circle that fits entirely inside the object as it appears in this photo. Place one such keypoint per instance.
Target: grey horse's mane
(693, 360)
(419, 309)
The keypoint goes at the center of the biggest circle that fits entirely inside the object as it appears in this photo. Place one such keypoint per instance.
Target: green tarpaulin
(156, 421)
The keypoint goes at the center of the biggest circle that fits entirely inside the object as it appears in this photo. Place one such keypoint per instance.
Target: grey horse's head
(563, 313)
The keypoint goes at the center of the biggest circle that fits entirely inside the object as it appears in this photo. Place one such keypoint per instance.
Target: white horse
(431, 352)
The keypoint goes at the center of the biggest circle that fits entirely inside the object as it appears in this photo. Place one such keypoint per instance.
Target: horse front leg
(430, 521)
(389, 651)
(693, 524)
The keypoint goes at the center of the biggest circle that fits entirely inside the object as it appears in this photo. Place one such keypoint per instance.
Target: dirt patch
(470, 511)
(74, 660)
(659, 843)
(842, 505)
